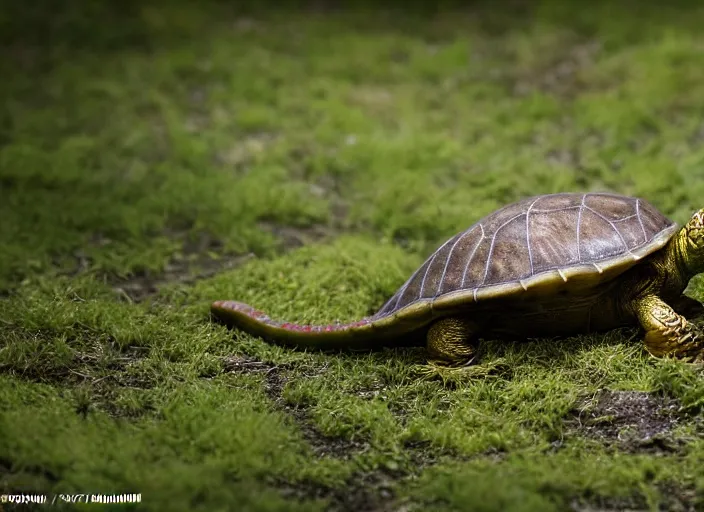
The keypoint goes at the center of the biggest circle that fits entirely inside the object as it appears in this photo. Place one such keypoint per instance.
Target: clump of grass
(179, 136)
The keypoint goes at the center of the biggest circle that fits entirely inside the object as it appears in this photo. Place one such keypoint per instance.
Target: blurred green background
(306, 158)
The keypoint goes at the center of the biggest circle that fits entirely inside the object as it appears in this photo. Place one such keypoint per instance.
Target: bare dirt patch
(199, 258)
(203, 257)
(293, 237)
(143, 284)
(86, 361)
(674, 499)
(365, 490)
(93, 378)
(276, 379)
(630, 420)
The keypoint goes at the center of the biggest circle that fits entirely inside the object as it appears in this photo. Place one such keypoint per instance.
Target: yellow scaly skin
(668, 333)
(650, 294)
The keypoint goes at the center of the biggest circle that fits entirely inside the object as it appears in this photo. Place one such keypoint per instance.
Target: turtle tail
(362, 334)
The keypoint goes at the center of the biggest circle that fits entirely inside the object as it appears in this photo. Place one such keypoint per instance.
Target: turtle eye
(696, 236)
(695, 230)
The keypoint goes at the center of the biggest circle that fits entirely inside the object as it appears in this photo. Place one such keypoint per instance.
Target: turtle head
(692, 238)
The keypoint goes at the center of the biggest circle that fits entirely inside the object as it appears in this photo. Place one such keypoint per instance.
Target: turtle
(547, 266)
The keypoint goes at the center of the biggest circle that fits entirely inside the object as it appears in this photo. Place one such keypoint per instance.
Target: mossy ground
(157, 156)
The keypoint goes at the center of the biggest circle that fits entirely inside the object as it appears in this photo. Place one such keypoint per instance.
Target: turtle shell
(531, 248)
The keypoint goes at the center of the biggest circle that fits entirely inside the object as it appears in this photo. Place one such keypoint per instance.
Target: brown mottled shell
(534, 247)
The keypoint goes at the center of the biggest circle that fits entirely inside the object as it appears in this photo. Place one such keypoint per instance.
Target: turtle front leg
(449, 342)
(668, 333)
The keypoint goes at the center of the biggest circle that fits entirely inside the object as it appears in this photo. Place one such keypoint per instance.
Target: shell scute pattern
(530, 237)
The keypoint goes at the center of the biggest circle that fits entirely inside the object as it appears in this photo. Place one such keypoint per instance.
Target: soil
(203, 258)
(635, 422)
(364, 491)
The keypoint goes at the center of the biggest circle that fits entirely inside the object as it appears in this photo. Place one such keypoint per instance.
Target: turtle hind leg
(450, 343)
(667, 333)
(452, 351)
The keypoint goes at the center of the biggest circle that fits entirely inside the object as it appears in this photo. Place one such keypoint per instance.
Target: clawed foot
(694, 356)
(470, 370)
(438, 368)
(691, 344)
(683, 340)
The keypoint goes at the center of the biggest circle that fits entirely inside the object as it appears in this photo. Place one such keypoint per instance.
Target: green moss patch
(306, 161)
